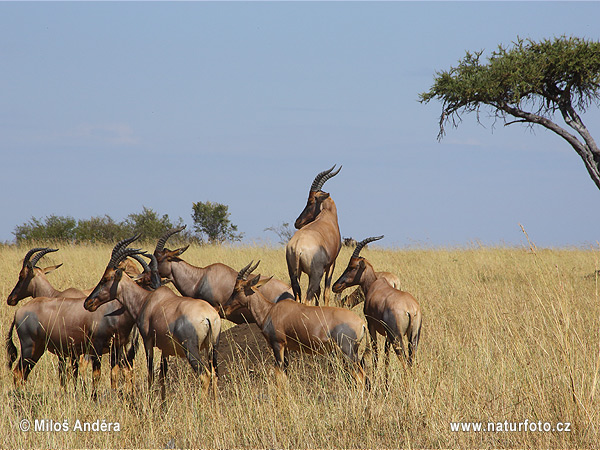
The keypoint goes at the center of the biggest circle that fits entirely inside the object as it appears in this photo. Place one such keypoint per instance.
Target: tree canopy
(211, 222)
(532, 82)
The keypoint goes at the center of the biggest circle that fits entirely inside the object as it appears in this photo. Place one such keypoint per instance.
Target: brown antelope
(292, 326)
(315, 246)
(62, 326)
(213, 283)
(178, 326)
(32, 280)
(389, 312)
(358, 295)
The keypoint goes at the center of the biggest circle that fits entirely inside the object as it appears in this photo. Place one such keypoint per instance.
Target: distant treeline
(211, 224)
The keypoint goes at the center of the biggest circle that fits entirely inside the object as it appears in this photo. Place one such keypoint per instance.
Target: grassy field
(508, 335)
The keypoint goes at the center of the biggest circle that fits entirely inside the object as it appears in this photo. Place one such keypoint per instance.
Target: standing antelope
(315, 246)
(62, 326)
(292, 326)
(389, 312)
(177, 326)
(213, 283)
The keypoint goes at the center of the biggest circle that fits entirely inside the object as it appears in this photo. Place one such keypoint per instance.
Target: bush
(99, 229)
(52, 228)
(96, 229)
(148, 223)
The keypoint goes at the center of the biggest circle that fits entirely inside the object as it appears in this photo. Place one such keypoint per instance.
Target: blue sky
(109, 107)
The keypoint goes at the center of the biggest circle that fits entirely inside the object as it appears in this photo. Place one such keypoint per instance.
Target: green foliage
(96, 229)
(51, 228)
(212, 224)
(148, 223)
(551, 75)
(99, 229)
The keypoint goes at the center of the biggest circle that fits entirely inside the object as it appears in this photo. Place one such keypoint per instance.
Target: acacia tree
(533, 82)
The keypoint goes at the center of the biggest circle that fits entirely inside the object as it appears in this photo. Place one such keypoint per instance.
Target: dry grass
(508, 335)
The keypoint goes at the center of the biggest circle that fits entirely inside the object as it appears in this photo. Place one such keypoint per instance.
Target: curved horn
(142, 261)
(364, 242)
(153, 262)
(160, 245)
(37, 257)
(122, 254)
(115, 256)
(322, 177)
(124, 243)
(242, 274)
(30, 253)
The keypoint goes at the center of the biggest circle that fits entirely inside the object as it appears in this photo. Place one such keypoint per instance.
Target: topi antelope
(213, 283)
(292, 326)
(32, 280)
(358, 295)
(389, 312)
(315, 246)
(177, 326)
(56, 321)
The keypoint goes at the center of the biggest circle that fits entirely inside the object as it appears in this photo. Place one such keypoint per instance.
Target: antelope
(315, 246)
(62, 326)
(32, 280)
(178, 326)
(213, 283)
(292, 326)
(389, 312)
(358, 295)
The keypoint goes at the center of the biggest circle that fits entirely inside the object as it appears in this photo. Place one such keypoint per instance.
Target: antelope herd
(78, 325)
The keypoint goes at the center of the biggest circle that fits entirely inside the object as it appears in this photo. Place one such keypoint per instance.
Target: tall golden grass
(508, 335)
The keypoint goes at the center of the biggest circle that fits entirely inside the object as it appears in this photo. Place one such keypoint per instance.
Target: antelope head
(106, 290)
(164, 256)
(316, 197)
(149, 278)
(28, 273)
(356, 267)
(243, 289)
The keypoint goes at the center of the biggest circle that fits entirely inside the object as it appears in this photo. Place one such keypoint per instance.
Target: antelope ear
(47, 270)
(179, 251)
(137, 277)
(258, 283)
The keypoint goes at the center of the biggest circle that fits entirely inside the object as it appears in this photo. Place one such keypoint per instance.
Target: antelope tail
(134, 343)
(367, 351)
(11, 350)
(213, 347)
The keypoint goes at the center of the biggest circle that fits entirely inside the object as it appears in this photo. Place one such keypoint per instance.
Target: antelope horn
(160, 245)
(322, 177)
(124, 253)
(124, 243)
(30, 253)
(362, 243)
(37, 257)
(247, 270)
(119, 246)
(153, 262)
(142, 261)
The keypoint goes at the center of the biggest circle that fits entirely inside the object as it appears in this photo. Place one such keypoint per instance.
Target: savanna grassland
(508, 335)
